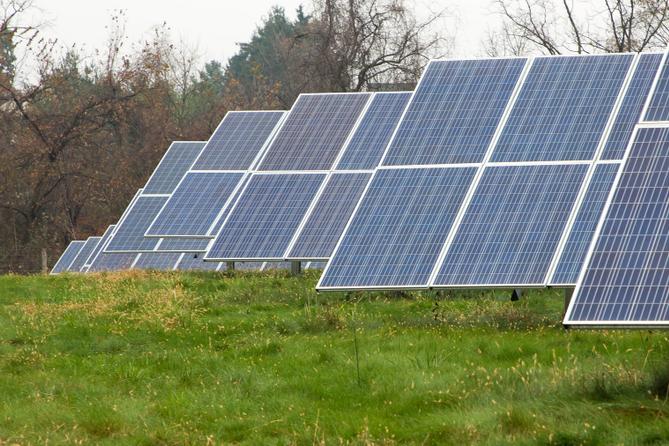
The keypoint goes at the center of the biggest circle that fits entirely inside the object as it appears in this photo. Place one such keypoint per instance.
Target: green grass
(173, 358)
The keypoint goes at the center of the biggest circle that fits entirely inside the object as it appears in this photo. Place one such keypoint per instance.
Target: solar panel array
(67, 257)
(507, 172)
(208, 188)
(288, 213)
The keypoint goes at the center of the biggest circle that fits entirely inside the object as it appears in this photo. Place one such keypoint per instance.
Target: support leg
(568, 292)
(230, 266)
(516, 295)
(295, 268)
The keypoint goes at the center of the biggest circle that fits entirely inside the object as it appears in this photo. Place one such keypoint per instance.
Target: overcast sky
(215, 27)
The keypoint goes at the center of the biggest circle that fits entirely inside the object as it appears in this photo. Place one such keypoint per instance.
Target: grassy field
(175, 358)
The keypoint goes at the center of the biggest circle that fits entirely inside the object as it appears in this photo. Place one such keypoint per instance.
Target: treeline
(81, 132)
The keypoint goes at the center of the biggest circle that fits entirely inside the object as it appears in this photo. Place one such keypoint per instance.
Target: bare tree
(563, 26)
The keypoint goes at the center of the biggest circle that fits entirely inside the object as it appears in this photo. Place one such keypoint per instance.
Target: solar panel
(632, 106)
(176, 161)
(177, 244)
(195, 205)
(98, 248)
(314, 131)
(372, 135)
(327, 220)
(626, 278)
(455, 111)
(583, 229)
(67, 256)
(563, 108)
(658, 109)
(238, 140)
(79, 261)
(161, 261)
(399, 229)
(195, 262)
(511, 229)
(129, 235)
(266, 216)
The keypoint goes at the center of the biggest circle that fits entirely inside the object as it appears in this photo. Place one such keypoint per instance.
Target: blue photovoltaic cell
(195, 204)
(632, 106)
(627, 277)
(399, 229)
(162, 261)
(266, 217)
(175, 163)
(583, 229)
(194, 262)
(658, 109)
(454, 112)
(80, 260)
(238, 140)
(562, 108)
(370, 139)
(512, 226)
(112, 262)
(314, 132)
(129, 235)
(178, 244)
(67, 256)
(328, 219)
(103, 242)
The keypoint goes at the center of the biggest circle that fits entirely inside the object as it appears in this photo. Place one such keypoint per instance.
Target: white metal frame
(642, 124)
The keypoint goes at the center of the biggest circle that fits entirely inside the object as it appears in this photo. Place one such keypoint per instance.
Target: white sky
(215, 27)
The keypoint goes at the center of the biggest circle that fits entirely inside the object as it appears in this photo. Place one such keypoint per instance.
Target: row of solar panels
(493, 173)
(88, 256)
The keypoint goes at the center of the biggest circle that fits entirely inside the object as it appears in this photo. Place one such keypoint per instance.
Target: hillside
(174, 358)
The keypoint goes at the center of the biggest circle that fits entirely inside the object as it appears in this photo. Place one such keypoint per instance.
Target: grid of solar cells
(658, 109)
(79, 261)
(67, 256)
(583, 229)
(314, 132)
(372, 135)
(512, 226)
(398, 231)
(238, 140)
(195, 205)
(175, 163)
(129, 235)
(162, 261)
(194, 262)
(266, 216)
(177, 244)
(328, 219)
(627, 277)
(103, 242)
(562, 108)
(455, 112)
(632, 106)
(112, 262)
